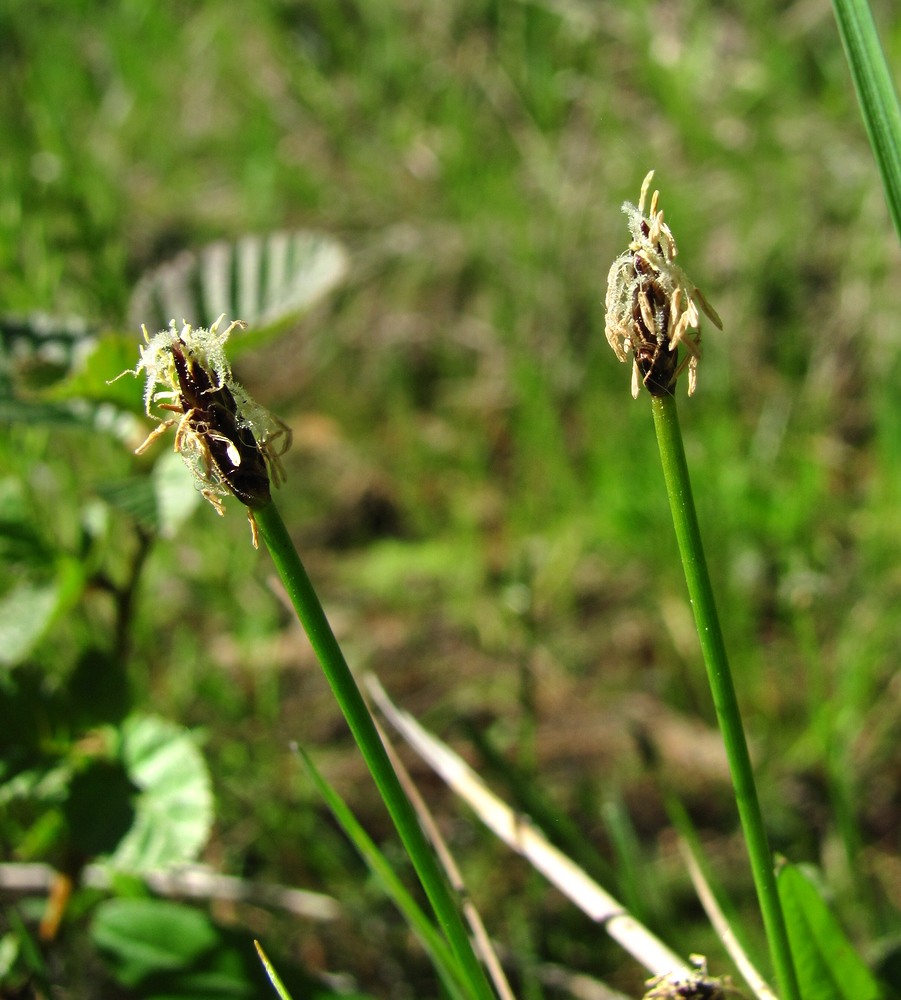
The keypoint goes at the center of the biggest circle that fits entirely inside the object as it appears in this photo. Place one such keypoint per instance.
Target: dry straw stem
(522, 837)
(720, 924)
(454, 875)
(187, 882)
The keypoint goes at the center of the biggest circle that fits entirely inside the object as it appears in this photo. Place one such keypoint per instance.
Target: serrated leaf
(265, 280)
(828, 967)
(174, 809)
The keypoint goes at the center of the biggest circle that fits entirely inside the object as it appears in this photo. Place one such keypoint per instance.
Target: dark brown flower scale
(229, 442)
(652, 307)
(232, 453)
(656, 362)
(694, 985)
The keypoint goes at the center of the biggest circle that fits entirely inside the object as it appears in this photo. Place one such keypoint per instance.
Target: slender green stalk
(312, 617)
(433, 941)
(688, 534)
(875, 93)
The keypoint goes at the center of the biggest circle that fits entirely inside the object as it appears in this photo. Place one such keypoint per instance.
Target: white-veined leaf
(265, 280)
(174, 809)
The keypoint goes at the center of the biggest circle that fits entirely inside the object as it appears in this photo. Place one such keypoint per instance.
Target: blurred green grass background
(476, 493)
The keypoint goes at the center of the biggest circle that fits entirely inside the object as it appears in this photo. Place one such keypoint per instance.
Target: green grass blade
(441, 955)
(347, 694)
(828, 966)
(274, 977)
(876, 94)
(632, 881)
(713, 647)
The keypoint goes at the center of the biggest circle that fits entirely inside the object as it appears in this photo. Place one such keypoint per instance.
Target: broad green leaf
(141, 937)
(28, 608)
(265, 280)
(25, 614)
(174, 808)
(162, 950)
(828, 967)
(95, 373)
(160, 502)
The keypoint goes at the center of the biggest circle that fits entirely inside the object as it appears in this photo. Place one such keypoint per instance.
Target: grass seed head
(693, 985)
(652, 308)
(230, 443)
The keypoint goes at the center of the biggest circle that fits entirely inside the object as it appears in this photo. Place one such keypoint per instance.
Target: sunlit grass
(474, 158)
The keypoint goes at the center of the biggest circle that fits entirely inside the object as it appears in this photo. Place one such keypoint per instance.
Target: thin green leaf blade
(876, 94)
(437, 948)
(828, 966)
(274, 977)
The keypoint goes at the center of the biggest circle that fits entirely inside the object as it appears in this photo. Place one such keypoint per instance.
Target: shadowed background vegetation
(476, 494)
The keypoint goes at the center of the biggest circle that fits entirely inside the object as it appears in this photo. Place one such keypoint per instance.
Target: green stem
(688, 534)
(312, 617)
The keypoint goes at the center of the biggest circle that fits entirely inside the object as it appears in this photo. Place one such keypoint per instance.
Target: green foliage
(83, 778)
(267, 281)
(274, 977)
(174, 810)
(452, 976)
(876, 94)
(464, 965)
(46, 582)
(828, 966)
(136, 795)
(160, 949)
(453, 404)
